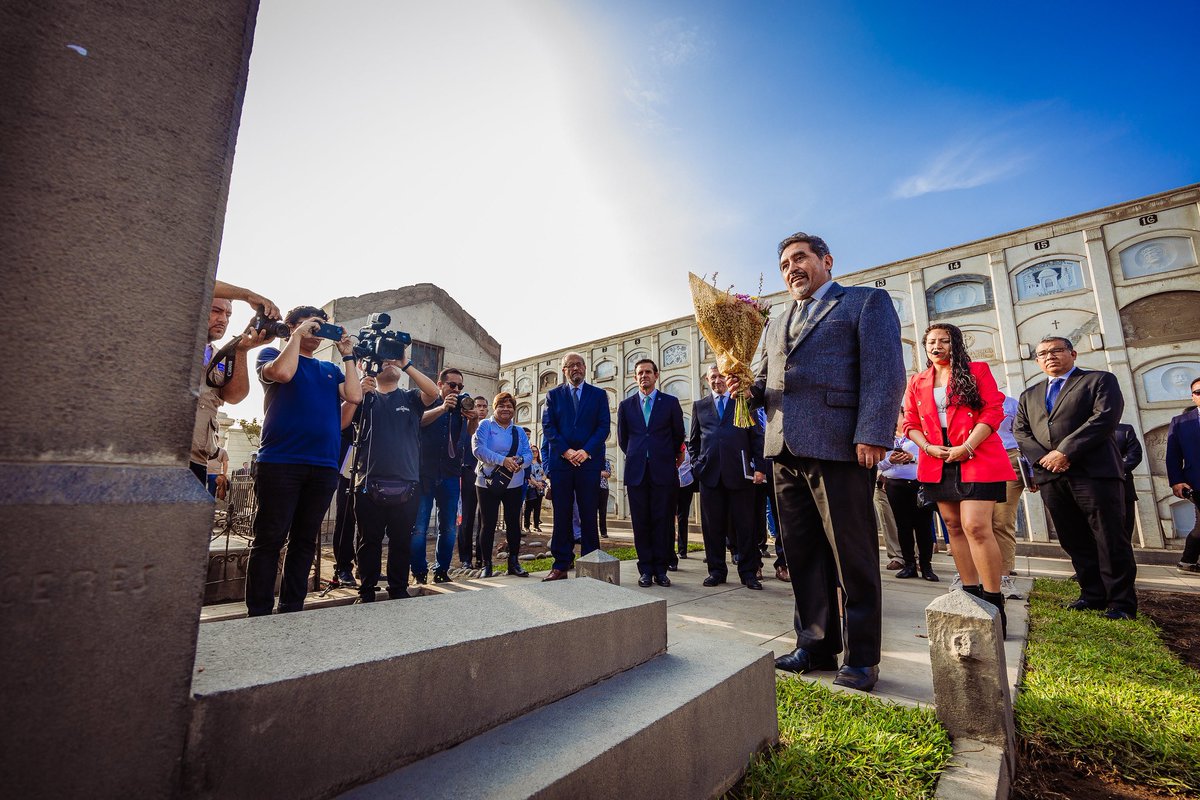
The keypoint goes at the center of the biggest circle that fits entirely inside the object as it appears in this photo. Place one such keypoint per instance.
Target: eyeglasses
(1057, 351)
(453, 385)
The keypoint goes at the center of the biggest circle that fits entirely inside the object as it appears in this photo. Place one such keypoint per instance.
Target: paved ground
(763, 619)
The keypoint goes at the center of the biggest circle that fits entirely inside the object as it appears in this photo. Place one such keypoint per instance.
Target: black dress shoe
(713, 580)
(907, 571)
(683, 554)
(1083, 605)
(673, 567)
(752, 583)
(644, 580)
(802, 661)
(861, 678)
(1116, 613)
(662, 580)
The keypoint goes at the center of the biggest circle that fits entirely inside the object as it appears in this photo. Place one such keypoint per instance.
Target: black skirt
(951, 489)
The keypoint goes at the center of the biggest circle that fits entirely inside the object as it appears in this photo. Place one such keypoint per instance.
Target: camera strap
(219, 369)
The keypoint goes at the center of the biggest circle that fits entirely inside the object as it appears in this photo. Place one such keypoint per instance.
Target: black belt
(900, 480)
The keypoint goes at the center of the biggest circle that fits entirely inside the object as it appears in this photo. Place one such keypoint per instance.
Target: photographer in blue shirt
(297, 459)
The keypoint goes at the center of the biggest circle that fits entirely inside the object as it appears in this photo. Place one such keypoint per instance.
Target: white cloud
(964, 165)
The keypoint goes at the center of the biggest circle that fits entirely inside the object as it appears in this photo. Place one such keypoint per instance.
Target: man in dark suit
(575, 424)
(650, 432)
(1131, 455)
(1183, 472)
(1065, 427)
(724, 461)
(831, 380)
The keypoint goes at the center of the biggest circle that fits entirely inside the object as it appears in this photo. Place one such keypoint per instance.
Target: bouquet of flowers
(732, 324)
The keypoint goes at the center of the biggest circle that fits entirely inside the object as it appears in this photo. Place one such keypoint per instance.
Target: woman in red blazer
(951, 411)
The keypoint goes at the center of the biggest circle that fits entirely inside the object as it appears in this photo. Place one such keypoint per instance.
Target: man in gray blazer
(831, 380)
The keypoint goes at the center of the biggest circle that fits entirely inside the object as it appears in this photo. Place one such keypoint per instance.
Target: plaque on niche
(1049, 278)
(605, 369)
(958, 295)
(1164, 254)
(898, 303)
(681, 388)
(1170, 382)
(524, 386)
(633, 359)
(548, 381)
(674, 355)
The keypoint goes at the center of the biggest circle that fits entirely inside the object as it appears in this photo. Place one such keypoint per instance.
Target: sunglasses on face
(453, 385)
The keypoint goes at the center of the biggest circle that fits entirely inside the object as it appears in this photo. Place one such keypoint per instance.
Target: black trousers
(765, 493)
(468, 531)
(533, 507)
(683, 510)
(292, 501)
(914, 524)
(727, 516)
(652, 514)
(489, 512)
(1089, 517)
(343, 526)
(573, 486)
(1191, 545)
(827, 522)
(602, 512)
(375, 522)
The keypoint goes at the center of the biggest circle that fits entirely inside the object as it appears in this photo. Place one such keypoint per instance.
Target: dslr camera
(376, 345)
(275, 327)
(465, 401)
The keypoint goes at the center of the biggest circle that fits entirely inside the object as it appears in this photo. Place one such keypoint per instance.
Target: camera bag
(498, 479)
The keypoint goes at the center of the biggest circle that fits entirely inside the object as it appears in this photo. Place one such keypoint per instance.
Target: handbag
(498, 479)
(390, 491)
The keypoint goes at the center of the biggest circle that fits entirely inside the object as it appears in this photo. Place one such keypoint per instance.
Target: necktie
(646, 409)
(1052, 395)
(575, 399)
(797, 322)
(721, 406)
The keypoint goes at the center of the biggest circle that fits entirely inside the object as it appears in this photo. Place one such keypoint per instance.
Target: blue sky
(560, 167)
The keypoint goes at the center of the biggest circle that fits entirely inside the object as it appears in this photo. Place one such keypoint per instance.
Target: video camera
(376, 345)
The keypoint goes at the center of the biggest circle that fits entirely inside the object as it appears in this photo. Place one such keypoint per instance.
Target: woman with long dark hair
(951, 412)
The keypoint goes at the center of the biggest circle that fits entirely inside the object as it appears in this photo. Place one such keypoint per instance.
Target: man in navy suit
(831, 380)
(1064, 426)
(650, 432)
(1183, 471)
(725, 461)
(575, 424)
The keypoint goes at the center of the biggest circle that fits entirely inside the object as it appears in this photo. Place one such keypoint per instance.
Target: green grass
(839, 745)
(1108, 694)
(621, 553)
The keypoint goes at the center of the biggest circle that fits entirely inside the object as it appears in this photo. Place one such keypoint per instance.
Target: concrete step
(683, 725)
(302, 705)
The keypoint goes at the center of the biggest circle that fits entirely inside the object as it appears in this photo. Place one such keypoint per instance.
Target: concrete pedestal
(119, 121)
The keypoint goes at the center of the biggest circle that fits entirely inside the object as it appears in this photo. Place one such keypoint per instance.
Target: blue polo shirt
(302, 422)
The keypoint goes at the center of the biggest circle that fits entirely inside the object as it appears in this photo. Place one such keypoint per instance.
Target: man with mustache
(831, 380)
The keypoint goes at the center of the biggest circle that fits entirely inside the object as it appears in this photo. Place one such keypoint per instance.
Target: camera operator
(297, 459)
(388, 472)
(468, 530)
(446, 431)
(225, 382)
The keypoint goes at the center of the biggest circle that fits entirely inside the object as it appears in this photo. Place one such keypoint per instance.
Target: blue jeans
(445, 493)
